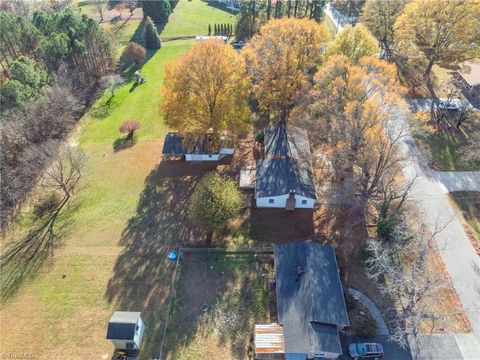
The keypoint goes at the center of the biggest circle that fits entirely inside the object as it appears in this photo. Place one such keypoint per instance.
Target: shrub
(260, 137)
(133, 54)
(350, 302)
(129, 127)
(367, 328)
(45, 204)
(215, 201)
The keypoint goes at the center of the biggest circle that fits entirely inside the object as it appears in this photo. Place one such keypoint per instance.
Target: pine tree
(152, 40)
(158, 11)
(209, 29)
(215, 30)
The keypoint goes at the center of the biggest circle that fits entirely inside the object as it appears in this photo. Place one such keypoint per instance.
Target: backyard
(231, 294)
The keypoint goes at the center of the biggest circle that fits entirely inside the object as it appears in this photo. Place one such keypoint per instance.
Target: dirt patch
(218, 300)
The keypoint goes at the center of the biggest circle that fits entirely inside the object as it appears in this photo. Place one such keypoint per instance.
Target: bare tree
(402, 269)
(100, 7)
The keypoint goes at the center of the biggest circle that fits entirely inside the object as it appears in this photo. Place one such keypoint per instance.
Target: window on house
(136, 328)
(304, 202)
(271, 201)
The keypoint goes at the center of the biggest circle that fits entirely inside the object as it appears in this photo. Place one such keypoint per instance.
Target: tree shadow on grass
(142, 275)
(28, 253)
(122, 143)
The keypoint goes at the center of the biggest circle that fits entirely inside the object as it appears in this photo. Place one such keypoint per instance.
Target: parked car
(447, 105)
(365, 351)
(238, 44)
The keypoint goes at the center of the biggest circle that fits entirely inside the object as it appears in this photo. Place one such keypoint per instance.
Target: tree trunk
(209, 237)
(429, 67)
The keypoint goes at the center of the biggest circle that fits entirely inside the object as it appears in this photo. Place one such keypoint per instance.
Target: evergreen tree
(152, 40)
(158, 11)
(216, 29)
(209, 29)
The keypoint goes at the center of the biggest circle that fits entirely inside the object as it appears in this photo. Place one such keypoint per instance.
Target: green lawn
(445, 146)
(192, 18)
(471, 211)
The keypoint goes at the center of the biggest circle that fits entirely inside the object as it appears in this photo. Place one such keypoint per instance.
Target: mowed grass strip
(469, 204)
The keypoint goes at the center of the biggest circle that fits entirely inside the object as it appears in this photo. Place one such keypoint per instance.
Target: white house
(232, 4)
(470, 74)
(310, 305)
(125, 330)
(284, 176)
(193, 147)
(217, 37)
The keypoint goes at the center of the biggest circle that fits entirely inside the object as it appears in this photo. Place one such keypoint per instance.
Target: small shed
(470, 73)
(269, 342)
(196, 147)
(125, 330)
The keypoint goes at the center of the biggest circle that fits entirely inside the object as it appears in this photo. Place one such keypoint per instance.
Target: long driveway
(461, 260)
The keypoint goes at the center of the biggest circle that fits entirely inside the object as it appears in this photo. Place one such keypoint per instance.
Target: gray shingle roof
(287, 163)
(122, 325)
(313, 302)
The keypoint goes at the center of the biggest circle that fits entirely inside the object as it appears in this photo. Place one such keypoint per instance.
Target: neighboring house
(310, 305)
(232, 4)
(196, 147)
(470, 73)
(125, 330)
(284, 176)
(203, 38)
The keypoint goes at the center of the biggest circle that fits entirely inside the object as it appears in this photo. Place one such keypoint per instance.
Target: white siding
(281, 201)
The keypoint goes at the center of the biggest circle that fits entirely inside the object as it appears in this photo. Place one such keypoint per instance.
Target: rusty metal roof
(269, 339)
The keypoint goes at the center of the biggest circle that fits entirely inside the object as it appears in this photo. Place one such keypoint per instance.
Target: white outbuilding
(125, 330)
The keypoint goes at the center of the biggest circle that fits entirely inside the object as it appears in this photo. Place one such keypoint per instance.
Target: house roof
(177, 144)
(269, 339)
(470, 71)
(122, 325)
(311, 303)
(287, 163)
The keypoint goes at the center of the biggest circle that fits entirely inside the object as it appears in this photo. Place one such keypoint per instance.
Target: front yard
(444, 145)
(218, 300)
(469, 204)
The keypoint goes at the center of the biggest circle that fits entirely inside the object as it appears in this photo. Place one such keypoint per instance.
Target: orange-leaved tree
(353, 107)
(439, 31)
(206, 90)
(279, 59)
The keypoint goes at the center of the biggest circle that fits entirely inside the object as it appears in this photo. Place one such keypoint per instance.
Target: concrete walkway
(444, 347)
(382, 328)
(458, 254)
(450, 181)
(338, 19)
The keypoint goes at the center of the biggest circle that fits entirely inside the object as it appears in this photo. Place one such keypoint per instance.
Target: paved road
(338, 19)
(392, 351)
(458, 180)
(461, 260)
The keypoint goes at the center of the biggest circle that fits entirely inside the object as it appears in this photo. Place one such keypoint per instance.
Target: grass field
(231, 295)
(102, 261)
(444, 146)
(469, 204)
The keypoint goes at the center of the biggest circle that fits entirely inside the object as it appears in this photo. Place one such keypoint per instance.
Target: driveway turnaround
(392, 350)
(382, 328)
(459, 256)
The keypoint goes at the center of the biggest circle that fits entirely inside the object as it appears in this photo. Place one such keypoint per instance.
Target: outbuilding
(284, 176)
(125, 330)
(196, 147)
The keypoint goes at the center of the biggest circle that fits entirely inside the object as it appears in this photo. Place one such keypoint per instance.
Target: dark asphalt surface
(392, 351)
